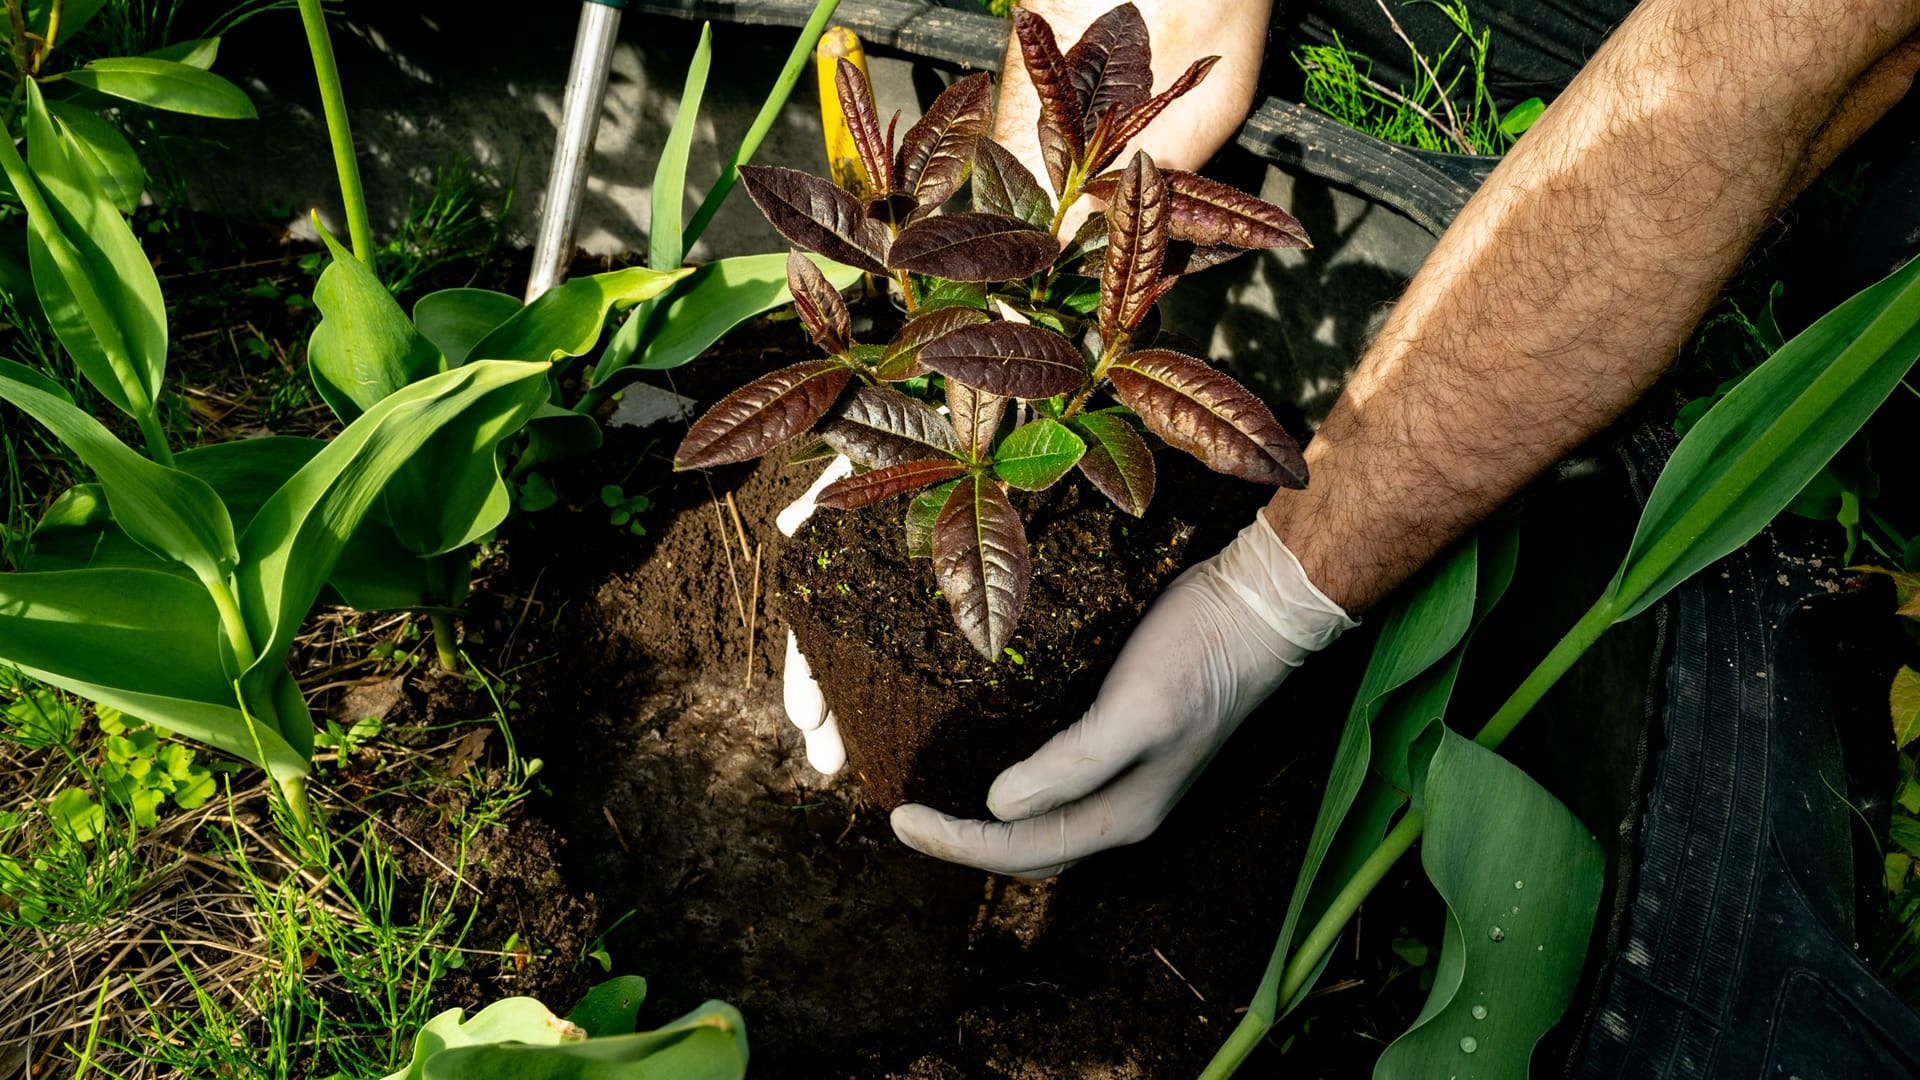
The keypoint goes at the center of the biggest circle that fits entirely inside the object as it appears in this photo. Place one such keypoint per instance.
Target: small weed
(461, 218)
(624, 510)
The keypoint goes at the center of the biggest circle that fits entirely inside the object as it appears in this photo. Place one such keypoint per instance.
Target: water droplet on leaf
(1494, 933)
(1469, 1044)
(1479, 1012)
(1519, 884)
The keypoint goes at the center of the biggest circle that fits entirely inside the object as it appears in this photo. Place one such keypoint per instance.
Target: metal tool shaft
(573, 153)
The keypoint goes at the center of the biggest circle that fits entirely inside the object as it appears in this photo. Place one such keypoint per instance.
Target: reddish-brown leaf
(817, 216)
(973, 247)
(902, 359)
(1136, 119)
(1136, 246)
(1187, 257)
(1008, 359)
(877, 426)
(1086, 253)
(975, 415)
(1112, 64)
(856, 103)
(938, 151)
(853, 492)
(1052, 80)
(821, 309)
(1204, 412)
(1210, 212)
(1118, 460)
(1001, 185)
(981, 561)
(762, 414)
(894, 210)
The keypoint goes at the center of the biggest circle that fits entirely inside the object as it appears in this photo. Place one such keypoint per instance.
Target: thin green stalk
(232, 622)
(155, 436)
(334, 103)
(1569, 649)
(762, 123)
(446, 641)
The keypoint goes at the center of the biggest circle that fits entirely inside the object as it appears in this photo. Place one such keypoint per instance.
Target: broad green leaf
(1118, 460)
(922, 511)
(195, 52)
(365, 347)
(714, 299)
(291, 547)
(1037, 454)
(377, 572)
(1521, 877)
(567, 319)
(167, 511)
(99, 292)
(556, 434)
(1762, 443)
(664, 247)
(105, 151)
(165, 84)
(245, 473)
(145, 643)
(456, 320)
(610, 1008)
(709, 1043)
(518, 1019)
(1904, 700)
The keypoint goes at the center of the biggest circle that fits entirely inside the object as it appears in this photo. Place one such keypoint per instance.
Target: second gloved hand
(1213, 646)
(806, 706)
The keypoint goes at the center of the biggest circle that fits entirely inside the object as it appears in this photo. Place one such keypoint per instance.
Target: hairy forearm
(1573, 276)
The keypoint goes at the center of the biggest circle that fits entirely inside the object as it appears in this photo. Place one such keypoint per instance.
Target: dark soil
(925, 717)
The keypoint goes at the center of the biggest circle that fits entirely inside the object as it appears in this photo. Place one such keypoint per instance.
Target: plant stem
(1281, 983)
(906, 291)
(295, 790)
(446, 641)
(334, 103)
(1569, 649)
(155, 436)
(232, 622)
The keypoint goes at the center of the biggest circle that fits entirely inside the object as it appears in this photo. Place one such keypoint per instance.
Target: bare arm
(1570, 280)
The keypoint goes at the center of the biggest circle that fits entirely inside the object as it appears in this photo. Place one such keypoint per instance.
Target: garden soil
(679, 834)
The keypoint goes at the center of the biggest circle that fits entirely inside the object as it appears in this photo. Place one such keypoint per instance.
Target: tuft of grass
(457, 216)
(1448, 109)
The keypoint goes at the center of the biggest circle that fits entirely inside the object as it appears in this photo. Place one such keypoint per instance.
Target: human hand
(806, 706)
(1215, 644)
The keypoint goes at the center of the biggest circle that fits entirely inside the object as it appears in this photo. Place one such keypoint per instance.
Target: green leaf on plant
(610, 1008)
(1521, 117)
(365, 347)
(165, 84)
(922, 512)
(1904, 700)
(664, 247)
(75, 814)
(105, 151)
(456, 320)
(1521, 877)
(1037, 454)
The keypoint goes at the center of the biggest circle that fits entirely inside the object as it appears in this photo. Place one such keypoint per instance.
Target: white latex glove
(1214, 645)
(806, 707)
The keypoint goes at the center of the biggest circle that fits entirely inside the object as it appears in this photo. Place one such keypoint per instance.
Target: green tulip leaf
(611, 1008)
(1521, 877)
(567, 319)
(105, 151)
(93, 281)
(169, 512)
(145, 643)
(165, 84)
(665, 248)
(709, 1043)
(365, 347)
(456, 320)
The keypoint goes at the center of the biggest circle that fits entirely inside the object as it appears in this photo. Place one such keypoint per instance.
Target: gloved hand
(806, 707)
(1215, 644)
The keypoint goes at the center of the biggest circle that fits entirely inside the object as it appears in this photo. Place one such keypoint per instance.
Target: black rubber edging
(1427, 187)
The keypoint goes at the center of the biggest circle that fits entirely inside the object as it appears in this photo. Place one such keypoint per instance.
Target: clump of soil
(926, 718)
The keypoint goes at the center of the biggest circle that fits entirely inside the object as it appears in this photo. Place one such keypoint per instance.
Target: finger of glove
(826, 751)
(1125, 812)
(1141, 708)
(788, 521)
(806, 706)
